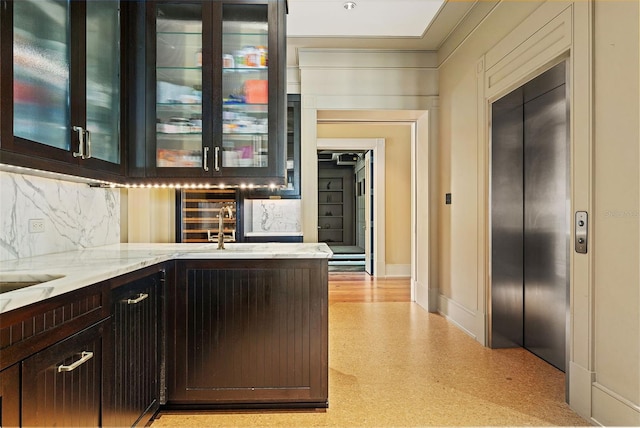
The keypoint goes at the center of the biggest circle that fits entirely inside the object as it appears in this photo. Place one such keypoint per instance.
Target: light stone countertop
(73, 270)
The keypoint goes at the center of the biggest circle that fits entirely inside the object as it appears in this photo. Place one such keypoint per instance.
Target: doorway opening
(367, 153)
(345, 208)
(530, 218)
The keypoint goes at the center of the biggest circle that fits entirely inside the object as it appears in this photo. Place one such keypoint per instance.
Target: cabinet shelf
(180, 133)
(179, 68)
(179, 105)
(246, 107)
(258, 134)
(180, 33)
(210, 230)
(244, 69)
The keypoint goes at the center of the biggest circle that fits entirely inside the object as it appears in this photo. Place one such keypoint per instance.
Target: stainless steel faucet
(221, 225)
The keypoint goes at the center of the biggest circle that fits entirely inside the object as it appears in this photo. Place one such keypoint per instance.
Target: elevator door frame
(489, 322)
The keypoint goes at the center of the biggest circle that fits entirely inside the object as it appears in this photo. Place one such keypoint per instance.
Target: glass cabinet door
(41, 64)
(179, 60)
(103, 80)
(245, 98)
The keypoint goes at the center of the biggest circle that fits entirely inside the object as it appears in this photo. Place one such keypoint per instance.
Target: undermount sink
(11, 282)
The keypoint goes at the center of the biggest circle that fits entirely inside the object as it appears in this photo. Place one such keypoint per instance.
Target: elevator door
(530, 218)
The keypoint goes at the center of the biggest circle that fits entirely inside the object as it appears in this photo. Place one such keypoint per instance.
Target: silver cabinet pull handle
(205, 161)
(138, 299)
(216, 159)
(80, 152)
(88, 144)
(86, 356)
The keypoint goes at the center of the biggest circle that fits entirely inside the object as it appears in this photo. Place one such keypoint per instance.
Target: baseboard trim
(611, 409)
(398, 271)
(458, 315)
(580, 381)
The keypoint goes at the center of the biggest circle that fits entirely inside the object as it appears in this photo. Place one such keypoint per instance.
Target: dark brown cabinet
(61, 95)
(10, 396)
(132, 392)
(249, 333)
(215, 91)
(293, 165)
(61, 385)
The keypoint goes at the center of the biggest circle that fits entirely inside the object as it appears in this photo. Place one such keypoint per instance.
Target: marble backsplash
(74, 215)
(273, 216)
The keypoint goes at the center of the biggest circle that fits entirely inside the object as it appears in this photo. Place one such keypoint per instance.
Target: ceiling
(372, 24)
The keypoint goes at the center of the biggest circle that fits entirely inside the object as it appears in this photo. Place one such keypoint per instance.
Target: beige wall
(398, 181)
(617, 209)
(150, 215)
(515, 42)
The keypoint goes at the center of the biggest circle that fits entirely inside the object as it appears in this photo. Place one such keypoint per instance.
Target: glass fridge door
(179, 141)
(245, 98)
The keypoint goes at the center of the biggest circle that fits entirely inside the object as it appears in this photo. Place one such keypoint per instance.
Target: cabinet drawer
(27, 330)
(61, 385)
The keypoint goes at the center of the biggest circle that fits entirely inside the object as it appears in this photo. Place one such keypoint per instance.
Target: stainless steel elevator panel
(546, 240)
(507, 214)
(530, 219)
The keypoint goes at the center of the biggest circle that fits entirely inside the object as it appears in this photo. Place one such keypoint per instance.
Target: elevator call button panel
(581, 227)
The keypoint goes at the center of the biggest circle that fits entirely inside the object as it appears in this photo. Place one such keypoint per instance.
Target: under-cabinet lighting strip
(109, 184)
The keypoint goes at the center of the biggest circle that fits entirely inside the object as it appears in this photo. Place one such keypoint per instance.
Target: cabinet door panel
(251, 332)
(245, 82)
(134, 387)
(103, 79)
(179, 79)
(51, 397)
(10, 397)
(41, 64)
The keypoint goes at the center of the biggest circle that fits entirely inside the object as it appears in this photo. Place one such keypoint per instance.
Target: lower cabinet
(10, 396)
(133, 389)
(249, 333)
(62, 384)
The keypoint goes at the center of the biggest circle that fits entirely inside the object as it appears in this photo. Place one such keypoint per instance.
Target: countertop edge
(83, 268)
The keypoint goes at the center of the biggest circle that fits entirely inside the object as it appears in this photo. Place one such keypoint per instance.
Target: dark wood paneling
(132, 392)
(250, 331)
(52, 398)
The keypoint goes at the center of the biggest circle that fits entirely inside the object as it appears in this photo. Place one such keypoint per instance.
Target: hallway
(393, 364)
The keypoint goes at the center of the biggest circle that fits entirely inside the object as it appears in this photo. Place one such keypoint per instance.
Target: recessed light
(349, 5)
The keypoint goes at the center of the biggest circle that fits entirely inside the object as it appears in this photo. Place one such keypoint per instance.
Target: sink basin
(11, 282)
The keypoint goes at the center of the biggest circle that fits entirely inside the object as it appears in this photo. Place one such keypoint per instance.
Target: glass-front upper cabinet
(66, 81)
(220, 95)
(245, 86)
(179, 81)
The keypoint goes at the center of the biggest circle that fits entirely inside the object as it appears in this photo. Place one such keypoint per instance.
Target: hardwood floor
(360, 287)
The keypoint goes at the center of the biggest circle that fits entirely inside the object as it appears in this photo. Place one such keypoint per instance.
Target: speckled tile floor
(394, 364)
